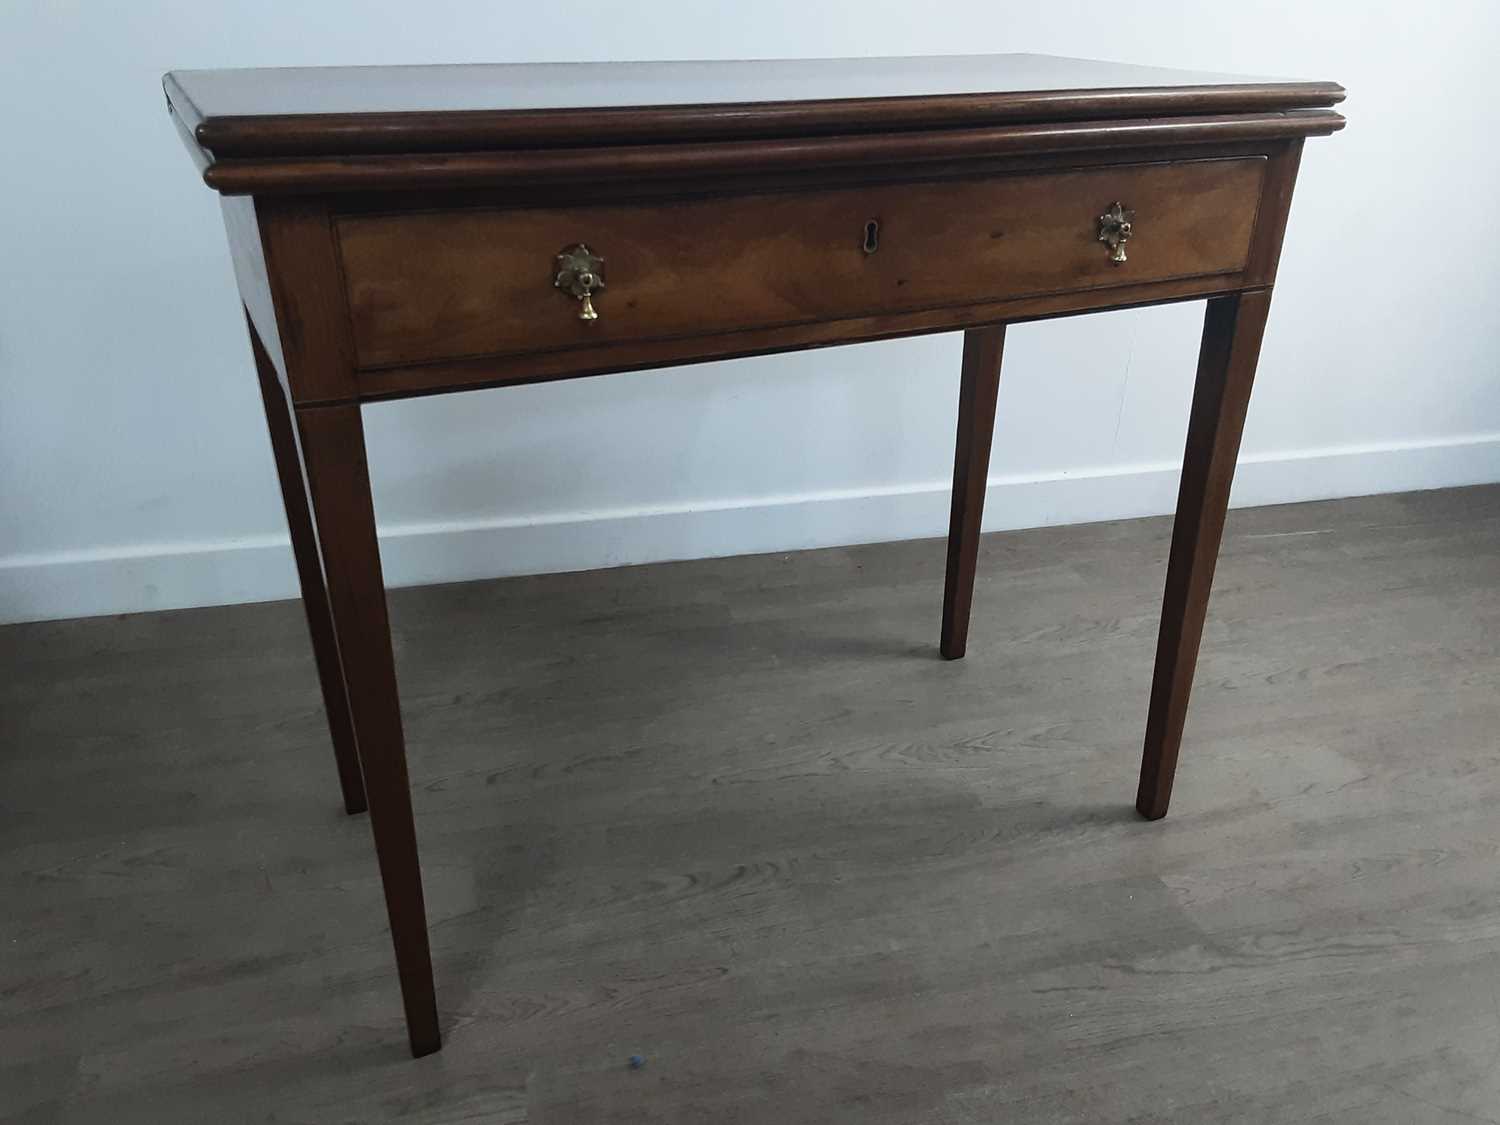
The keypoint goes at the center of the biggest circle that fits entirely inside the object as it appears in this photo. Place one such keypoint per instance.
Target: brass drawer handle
(1115, 228)
(580, 274)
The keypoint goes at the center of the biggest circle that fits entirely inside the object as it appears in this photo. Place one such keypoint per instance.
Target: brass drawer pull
(1115, 228)
(580, 274)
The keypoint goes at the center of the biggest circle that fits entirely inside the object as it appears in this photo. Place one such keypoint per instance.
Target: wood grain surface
(402, 109)
(285, 450)
(738, 817)
(332, 441)
(448, 284)
(1232, 330)
(732, 160)
(978, 395)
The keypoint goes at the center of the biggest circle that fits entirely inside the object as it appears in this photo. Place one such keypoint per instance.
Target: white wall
(134, 471)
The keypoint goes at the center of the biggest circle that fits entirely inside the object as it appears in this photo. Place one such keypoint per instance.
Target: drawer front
(438, 285)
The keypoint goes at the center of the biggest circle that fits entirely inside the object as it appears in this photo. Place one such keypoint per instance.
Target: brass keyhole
(872, 236)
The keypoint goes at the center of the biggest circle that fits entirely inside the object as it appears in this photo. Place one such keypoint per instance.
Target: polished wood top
(584, 85)
(362, 129)
(348, 110)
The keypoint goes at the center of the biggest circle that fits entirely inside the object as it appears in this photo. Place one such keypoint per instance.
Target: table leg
(333, 450)
(1232, 330)
(310, 575)
(978, 390)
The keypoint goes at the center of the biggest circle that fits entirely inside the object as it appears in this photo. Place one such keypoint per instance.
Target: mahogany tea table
(404, 231)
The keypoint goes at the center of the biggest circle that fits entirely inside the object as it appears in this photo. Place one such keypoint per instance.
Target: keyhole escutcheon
(872, 236)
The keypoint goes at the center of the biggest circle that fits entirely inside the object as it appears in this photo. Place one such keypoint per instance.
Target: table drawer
(437, 285)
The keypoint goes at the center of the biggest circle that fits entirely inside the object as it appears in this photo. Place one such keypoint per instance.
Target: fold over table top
(242, 121)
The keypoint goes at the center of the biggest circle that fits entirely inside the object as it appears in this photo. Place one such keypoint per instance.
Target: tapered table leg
(978, 389)
(1232, 331)
(310, 576)
(333, 450)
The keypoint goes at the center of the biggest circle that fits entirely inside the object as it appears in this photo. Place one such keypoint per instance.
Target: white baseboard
(178, 575)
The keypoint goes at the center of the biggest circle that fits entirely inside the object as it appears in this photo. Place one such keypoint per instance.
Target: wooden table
(402, 231)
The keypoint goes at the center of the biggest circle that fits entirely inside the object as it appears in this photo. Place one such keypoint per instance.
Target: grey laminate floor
(736, 816)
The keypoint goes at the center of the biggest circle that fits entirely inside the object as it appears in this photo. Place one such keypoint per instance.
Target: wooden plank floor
(736, 816)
